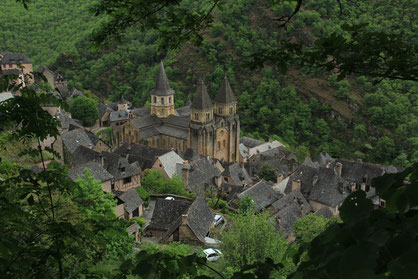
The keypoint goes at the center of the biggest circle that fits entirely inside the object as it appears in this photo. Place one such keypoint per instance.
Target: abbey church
(209, 129)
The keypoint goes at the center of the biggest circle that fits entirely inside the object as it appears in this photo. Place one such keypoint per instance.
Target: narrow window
(207, 116)
(155, 100)
(231, 110)
(196, 116)
(169, 100)
(224, 143)
(219, 145)
(162, 101)
(162, 111)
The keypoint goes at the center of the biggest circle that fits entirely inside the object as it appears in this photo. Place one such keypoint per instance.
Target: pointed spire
(225, 94)
(188, 102)
(201, 100)
(162, 87)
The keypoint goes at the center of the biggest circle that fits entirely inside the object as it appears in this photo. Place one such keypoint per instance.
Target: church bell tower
(162, 96)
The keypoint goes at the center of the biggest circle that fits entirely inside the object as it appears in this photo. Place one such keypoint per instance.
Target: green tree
(154, 182)
(267, 172)
(251, 238)
(309, 226)
(85, 109)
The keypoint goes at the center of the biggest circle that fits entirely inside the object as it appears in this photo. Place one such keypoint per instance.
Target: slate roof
(133, 228)
(202, 175)
(308, 162)
(67, 122)
(169, 162)
(146, 121)
(119, 115)
(262, 193)
(323, 159)
(252, 168)
(306, 175)
(250, 142)
(243, 150)
(330, 188)
(294, 197)
(324, 212)
(117, 166)
(238, 174)
(201, 100)
(144, 155)
(184, 111)
(130, 199)
(14, 58)
(231, 190)
(97, 171)
(172, 131)
(106, 108)
(190, 154)
(83, 155)
(225, 94)
(265, 147)
(141, 111)
(72, 139)
(200, 218)
(359, 172)
(162, 87)
(176, 121)
(166, 212)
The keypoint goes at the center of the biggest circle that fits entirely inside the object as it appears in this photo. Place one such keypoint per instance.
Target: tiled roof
(117, 166)
(97, 171)
(200, 218)
(250, 142)
(13, 58)
(130, 198)
(225, 94)
(238, 174)
(358, 172)
(167, 212)
(162, 87)
(169, 162)
(72, 139)
(262, 193)
(119, 115)
(83, 155)
(201, 100)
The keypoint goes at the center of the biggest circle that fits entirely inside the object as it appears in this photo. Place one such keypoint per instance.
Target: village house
(16, 62)
(236, 174)
(125, 176)
(262, 194)
(129, 204)
(97, 171)
(167, 164)
(180, 220)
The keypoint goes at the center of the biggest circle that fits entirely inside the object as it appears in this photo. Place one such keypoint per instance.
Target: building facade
(211, 129)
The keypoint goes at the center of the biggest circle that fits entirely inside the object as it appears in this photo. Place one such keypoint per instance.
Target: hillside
(309, 110)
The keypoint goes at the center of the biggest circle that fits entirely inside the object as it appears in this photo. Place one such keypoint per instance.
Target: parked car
(212, 254)
(170, 198)
(218, 219)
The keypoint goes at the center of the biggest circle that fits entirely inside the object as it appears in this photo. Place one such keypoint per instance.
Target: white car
(170, 198)
(218, 219)
(212, 254)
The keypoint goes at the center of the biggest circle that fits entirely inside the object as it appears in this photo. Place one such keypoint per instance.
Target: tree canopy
(85, 109)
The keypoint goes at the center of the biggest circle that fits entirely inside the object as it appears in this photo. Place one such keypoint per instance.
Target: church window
(207, 116)
(224, 143)
(155, 100)
(196, 116)
(220, 110)
(219, 145)
(162, 111)
(231, 110)
(169, 100)
(162, 101)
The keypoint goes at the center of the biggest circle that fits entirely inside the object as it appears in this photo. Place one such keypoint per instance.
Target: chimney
(279, 178)
(185, 170)
(338, 168)
(315, 180)
(296, 185)
(184, 219)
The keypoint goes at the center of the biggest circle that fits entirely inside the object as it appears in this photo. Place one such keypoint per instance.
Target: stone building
(209, 129)
(10, 60)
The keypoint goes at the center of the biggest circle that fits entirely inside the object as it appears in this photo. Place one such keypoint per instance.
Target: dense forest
(307, 108)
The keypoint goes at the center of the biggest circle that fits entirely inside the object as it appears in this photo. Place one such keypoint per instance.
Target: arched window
(162, 111)
(169, 100)
(224, 143)
(155, 100)
(219, 145)
(207, 116)
(162, 100)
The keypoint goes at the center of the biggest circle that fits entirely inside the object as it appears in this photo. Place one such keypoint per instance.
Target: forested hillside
(308, 109)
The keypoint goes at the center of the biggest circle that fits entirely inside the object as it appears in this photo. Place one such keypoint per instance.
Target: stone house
(262, 195)
(97, 171)
(236, 174)
(129, 204)
(167, 164)
(183, 221)
(10, 61)
(125, 176)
